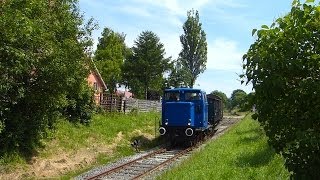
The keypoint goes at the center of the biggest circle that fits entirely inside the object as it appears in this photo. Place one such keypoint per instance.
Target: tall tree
(179, 76)
(194, 46)
(109, 57)
(145, 68)
(42, 59)
(283, 65)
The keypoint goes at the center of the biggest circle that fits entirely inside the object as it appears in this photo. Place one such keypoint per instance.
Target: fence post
(124, 105)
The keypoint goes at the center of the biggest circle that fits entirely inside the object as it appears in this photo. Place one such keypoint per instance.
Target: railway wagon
(215, 108)
(188, 113)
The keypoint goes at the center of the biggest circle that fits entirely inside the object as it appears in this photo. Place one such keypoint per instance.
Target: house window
(95, 86)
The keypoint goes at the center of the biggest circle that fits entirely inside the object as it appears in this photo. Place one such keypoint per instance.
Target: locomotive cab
(184, 113)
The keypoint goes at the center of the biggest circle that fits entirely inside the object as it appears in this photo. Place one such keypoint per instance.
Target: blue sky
(227, 23)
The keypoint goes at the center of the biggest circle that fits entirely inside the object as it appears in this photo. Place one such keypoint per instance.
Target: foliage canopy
(222, 95)
(193, 55)
(238, 99)
(179, 76)
(42, 62)
(144, 69)
(109, 57)
(283, 65)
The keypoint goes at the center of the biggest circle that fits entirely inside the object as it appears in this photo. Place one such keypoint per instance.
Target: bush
(81, 104)
(41, 57)
(283, 66)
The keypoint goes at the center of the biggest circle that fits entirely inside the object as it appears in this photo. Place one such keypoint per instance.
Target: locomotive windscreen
(172, 96)
(190, 96)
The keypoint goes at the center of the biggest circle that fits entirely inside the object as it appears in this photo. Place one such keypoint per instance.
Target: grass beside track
(113, 131)
(104, 129)
(241, 153)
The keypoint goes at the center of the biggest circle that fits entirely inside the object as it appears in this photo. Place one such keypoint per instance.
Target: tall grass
(105, 128)
(102, 131)
(242, 153)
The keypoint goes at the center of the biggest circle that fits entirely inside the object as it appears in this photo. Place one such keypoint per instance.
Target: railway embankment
(150, 164)
(74, 148)
(242, 152)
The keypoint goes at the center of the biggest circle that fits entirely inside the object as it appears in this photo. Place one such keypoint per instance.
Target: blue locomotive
(188, 113)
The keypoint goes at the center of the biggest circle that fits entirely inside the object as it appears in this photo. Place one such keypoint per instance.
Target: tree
(194, 47)
(42, 60)
(109, 57)
(237, 99)
(248, 102)
(222, 95)
(179, 75)
(144, 69)
(283, 65)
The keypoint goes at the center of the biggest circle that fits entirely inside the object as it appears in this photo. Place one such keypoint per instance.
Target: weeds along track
(147, 165)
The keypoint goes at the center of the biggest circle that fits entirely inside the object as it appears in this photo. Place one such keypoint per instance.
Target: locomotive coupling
(189, 132)
(162, 131)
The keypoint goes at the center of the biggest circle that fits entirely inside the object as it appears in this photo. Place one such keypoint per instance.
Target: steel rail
(181, 153)
(126, 164)
(162, 150)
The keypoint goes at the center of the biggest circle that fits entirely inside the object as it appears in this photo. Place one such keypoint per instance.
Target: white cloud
(177, 7)
(224, 54)
(171, 43)
(134, 10)
(222, 85)
(230, 3)
(175, 21)
(93, 3)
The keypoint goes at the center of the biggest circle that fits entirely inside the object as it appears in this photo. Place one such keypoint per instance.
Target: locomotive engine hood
(179, 114)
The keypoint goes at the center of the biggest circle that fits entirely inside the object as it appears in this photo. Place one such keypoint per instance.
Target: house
(96, 82)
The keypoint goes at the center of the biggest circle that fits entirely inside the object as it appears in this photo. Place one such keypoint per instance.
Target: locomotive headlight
(162, 131)
(189, 124)
(166, 123)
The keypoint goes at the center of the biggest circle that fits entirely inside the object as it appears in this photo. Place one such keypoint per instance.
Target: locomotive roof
(183, 89)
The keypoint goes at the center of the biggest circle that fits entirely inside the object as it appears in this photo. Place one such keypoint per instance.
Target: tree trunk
(192, 82)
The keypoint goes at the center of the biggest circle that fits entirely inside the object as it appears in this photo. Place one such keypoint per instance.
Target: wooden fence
(141, 105)
(111, 102)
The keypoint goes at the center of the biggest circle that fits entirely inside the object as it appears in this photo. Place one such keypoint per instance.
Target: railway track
(148, 163)
(144, 165)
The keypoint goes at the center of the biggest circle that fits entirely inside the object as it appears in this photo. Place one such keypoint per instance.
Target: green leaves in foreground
(284, 68)
(42, 62)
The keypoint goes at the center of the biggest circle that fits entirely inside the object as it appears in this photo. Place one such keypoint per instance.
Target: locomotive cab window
(191, 96)
(172, 96)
